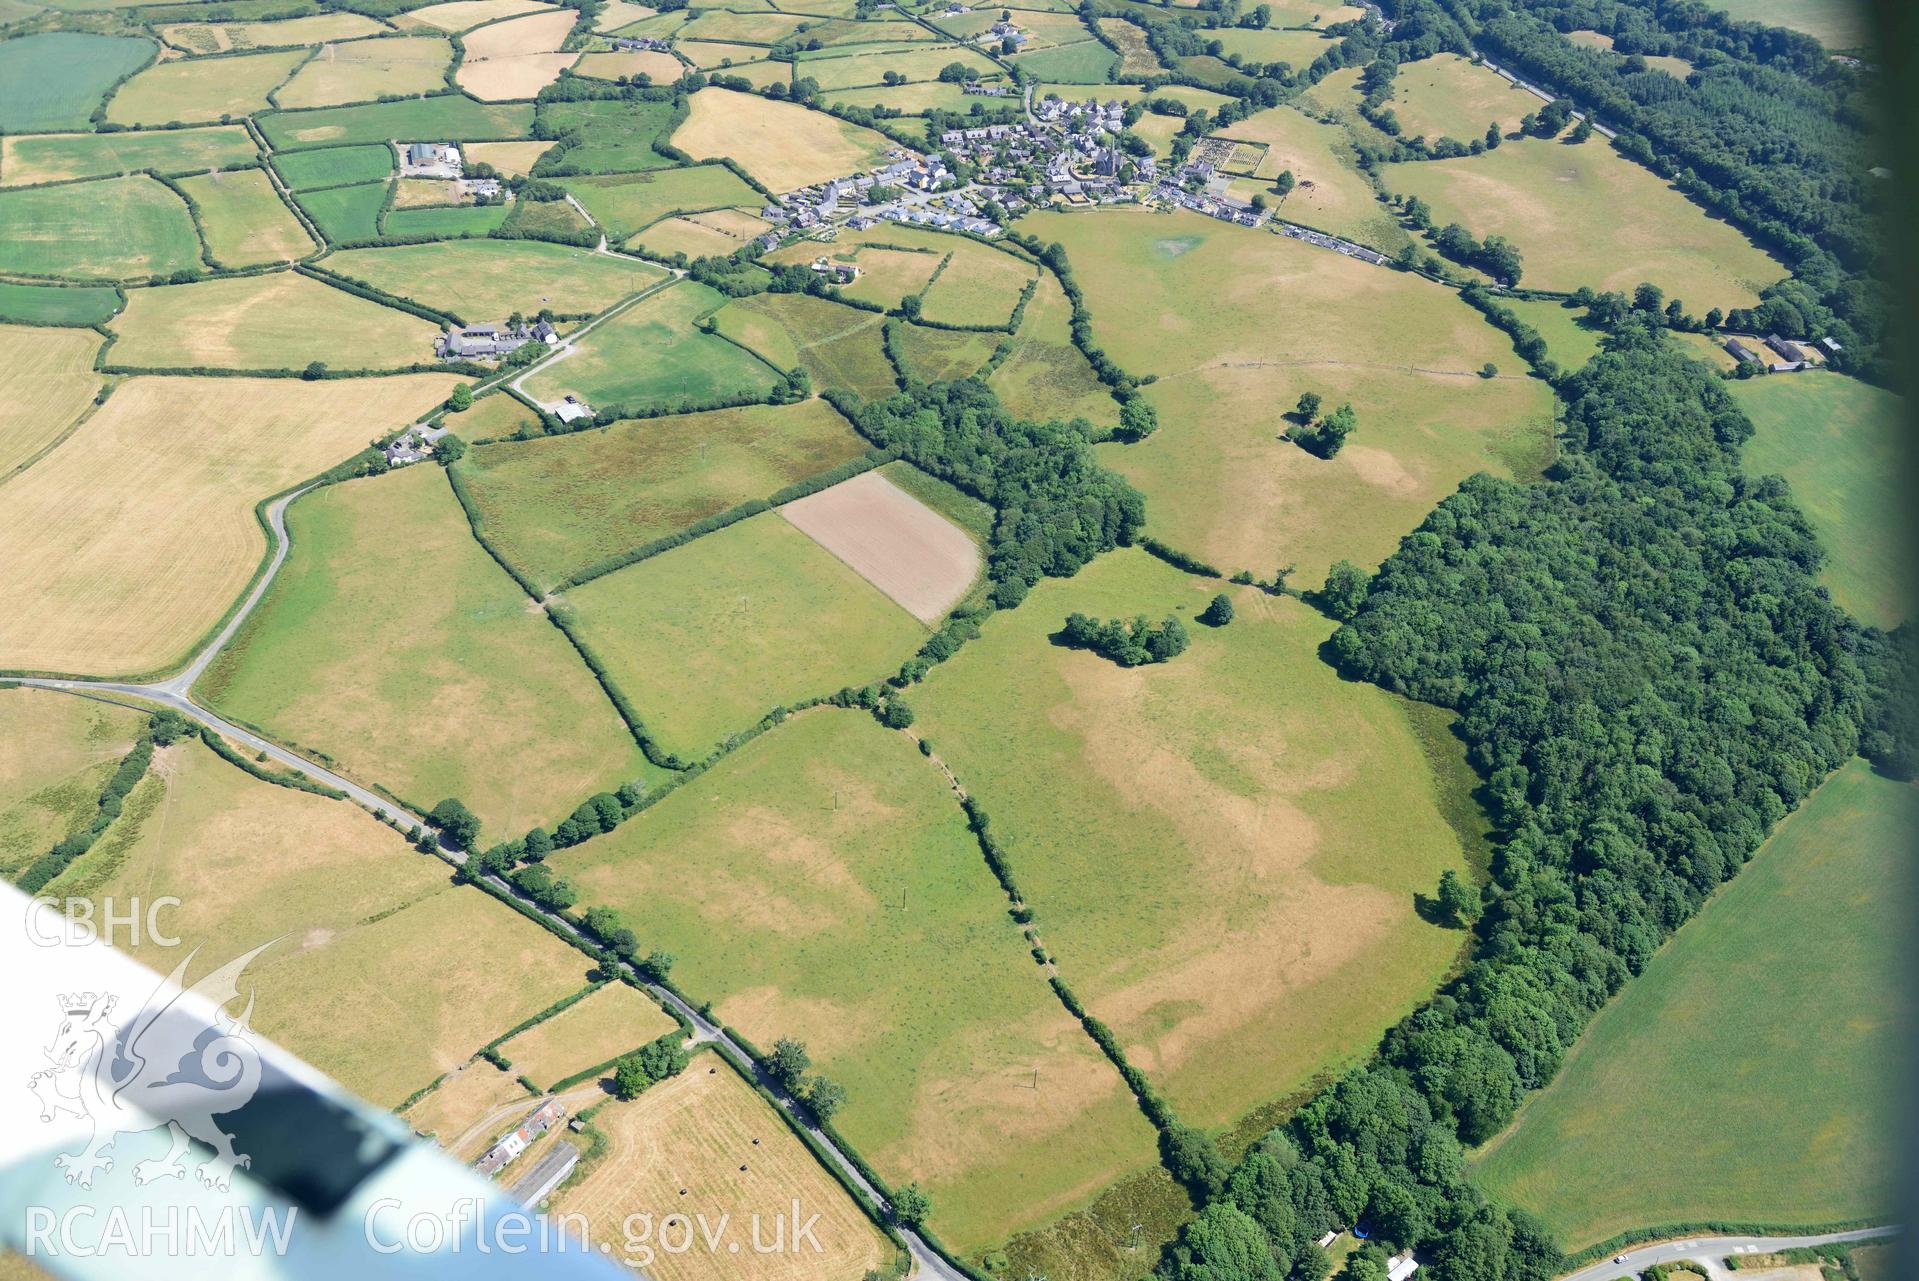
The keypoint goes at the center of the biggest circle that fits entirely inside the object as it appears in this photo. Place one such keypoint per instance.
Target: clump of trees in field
(1130, 644)
(1321, 435)
(1649, 677)
(635, 1073)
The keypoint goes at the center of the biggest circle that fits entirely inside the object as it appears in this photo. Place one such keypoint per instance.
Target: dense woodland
(1649, 678)
(1057, 507)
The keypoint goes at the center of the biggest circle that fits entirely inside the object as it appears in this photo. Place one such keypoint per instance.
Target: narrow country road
(1710, 1250)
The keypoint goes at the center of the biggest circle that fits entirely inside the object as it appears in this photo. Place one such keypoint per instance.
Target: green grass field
(49, 157)
(558, 504)
(980, 286)
(441, 116)
(706, 638)
(1567, 340)
(1446, 96)
(244, 221)
(54, 80)
(486, 280)
(109, 229)
(334, 166)
(1746, 1074)
(1273, 44)
(1046, 376)
(840, 69)
(1841, 445)
(470, 220)
(346, 214)
(1237, 324)
(277, 321)
(349, 906)
(1222, 851)
(1582, 214)
(56, 305)
(195, 89)
(624, 203)
(942, 355)
(838, 346)
(619, 134)
(1086, 63)
(651, 355)
(830, 830)
(455, 686)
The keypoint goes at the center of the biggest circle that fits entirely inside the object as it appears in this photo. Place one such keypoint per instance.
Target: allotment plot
(917, 557)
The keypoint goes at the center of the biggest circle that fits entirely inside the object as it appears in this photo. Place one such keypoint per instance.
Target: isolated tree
(1137, 419)
(1492, 135)
(461, 399)
(1344, 591)
(1285, 183)
(789, 1062)
(459, 823)
(911, 1205)
(1458, 901)
(1218, 612)
(630, 1077)
(1308, 405)
(448, 449)
(657, 965)
(1581, 131)
(1489, 370)
(825, 1097)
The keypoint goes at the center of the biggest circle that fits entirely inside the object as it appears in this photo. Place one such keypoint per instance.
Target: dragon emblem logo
(163, 1067)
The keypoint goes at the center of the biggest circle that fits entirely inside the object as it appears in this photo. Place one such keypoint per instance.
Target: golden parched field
(1237, 323)
(362, 70)
(541, 32)
(703, 1143)
(512, 78)
(514, 159)
(466, 1112)
(46, 382)
(280, 320)
(373, 978)
(617, 1018)
(782, 145)
(464, 15)
(126, 543)
(218, 37)
(192, 90)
